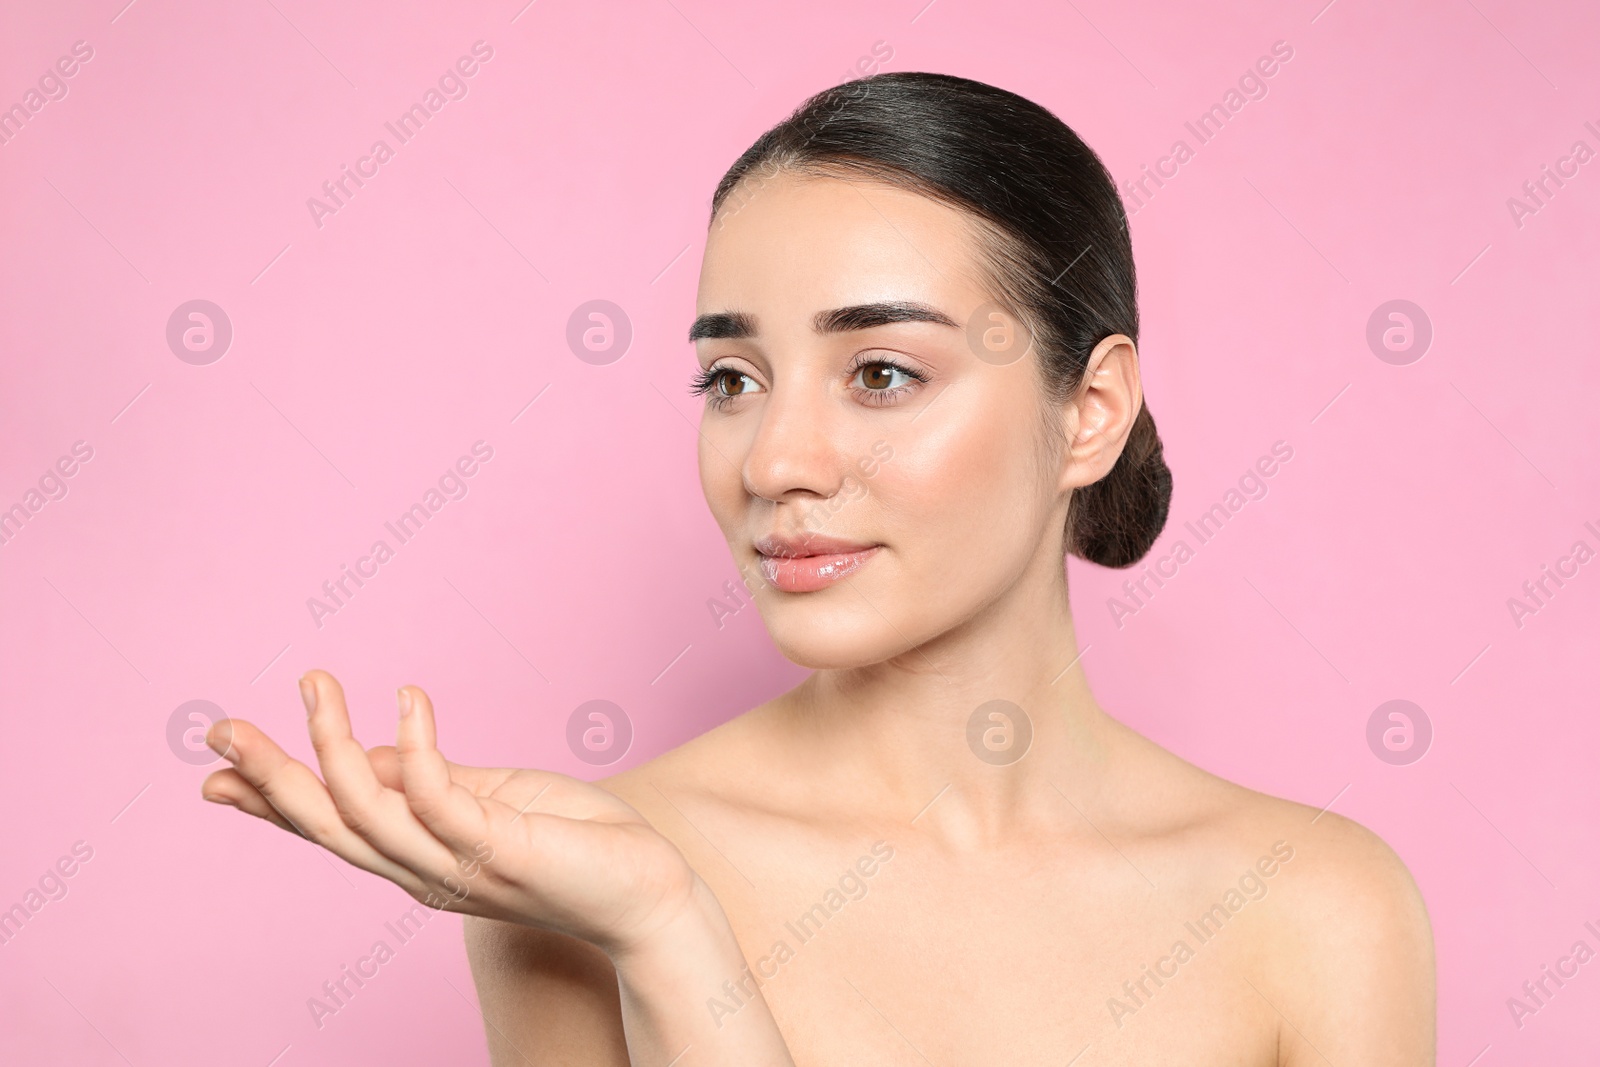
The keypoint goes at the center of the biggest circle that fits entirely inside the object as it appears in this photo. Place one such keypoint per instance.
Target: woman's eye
(879, 377)
(733, 383)
(722, 385)
(882, 381)
(877, 382)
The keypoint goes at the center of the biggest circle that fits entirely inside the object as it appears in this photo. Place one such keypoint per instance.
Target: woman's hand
(528, 847)
(522, 846)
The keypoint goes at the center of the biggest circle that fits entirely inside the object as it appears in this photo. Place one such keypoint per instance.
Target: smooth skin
(1027, 912)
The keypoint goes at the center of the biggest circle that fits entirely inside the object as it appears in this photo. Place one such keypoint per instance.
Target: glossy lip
(808, 563)
(796, 547)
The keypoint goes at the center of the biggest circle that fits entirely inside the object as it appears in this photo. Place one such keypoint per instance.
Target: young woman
(917, 337)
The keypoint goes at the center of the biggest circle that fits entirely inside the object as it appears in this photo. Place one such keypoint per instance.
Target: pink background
(368, 354)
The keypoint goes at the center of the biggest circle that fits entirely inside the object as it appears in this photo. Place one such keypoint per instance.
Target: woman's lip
(808, 545)
(807, 574)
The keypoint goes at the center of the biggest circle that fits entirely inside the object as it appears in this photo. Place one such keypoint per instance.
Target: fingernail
(217, 798)
(405, 701)
(219, 739)
(308, 693)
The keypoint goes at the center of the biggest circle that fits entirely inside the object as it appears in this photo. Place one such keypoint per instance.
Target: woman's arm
(550, 999)
(547, 998)
(667, 981)
(520, 846)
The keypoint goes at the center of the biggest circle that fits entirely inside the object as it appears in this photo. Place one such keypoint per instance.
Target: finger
(447, 809)
(479, 781)
(386, 765)
(299, 797)
(379, 815)
(229, 787)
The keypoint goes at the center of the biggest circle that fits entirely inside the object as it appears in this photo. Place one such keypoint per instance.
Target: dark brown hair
(1054, 231)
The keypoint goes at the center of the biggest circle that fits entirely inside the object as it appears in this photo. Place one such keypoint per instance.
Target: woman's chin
(815, 659)
(822, 643)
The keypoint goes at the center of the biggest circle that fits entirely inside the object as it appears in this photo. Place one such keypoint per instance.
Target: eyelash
(705, 382)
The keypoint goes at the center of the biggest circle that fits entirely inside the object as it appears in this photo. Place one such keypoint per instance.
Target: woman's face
(878, 483)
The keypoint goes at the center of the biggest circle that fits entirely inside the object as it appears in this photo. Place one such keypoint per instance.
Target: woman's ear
(1097, 419)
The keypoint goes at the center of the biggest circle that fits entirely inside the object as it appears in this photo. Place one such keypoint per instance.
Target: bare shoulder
(1330, 872)
(1348, 953)
(1345, 899)
(1340, 946)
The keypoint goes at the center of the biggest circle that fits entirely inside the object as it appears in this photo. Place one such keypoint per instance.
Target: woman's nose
(796, 448)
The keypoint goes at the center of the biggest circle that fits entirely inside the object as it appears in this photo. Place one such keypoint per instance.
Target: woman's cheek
(923, 501)
(958, 461)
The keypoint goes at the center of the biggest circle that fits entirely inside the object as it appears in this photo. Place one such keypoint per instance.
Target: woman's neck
(925, 733)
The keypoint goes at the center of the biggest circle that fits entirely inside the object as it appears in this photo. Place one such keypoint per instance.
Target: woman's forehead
(820, 243)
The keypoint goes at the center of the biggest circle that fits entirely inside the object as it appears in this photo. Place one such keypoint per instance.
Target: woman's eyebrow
(738, 324)
(731, 324)
(866, 316)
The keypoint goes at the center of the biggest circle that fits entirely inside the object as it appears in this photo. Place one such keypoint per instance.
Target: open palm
(525, 846)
